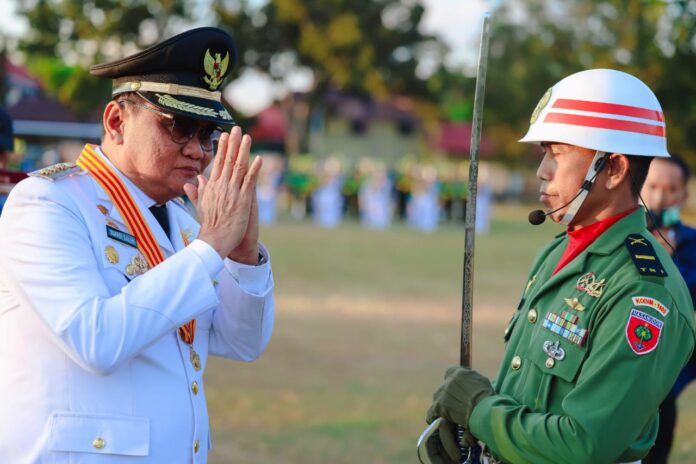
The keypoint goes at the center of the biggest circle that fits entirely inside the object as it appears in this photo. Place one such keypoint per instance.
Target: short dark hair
(638, 167)
(678, 161)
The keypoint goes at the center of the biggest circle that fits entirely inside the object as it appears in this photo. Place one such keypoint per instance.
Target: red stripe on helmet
(609, 108)
(605, 123)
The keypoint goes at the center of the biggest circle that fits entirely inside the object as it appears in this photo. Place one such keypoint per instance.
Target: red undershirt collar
(581, 238)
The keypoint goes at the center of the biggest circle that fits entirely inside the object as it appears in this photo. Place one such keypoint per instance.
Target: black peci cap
(6, 132)
(181, 75)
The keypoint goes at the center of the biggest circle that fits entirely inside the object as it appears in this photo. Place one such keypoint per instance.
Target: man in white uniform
(111, 294)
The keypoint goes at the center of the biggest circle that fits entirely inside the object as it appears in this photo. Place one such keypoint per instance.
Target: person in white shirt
(111, 294)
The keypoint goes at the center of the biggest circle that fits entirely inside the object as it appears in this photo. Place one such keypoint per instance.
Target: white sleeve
(243, 323)
(48, 264)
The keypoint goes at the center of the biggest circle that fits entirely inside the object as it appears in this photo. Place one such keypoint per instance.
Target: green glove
(438, 444)
(458, 395)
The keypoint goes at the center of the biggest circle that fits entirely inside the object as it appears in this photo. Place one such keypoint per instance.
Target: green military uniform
(591, 352)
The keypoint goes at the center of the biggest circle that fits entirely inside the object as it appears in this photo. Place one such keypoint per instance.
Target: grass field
(366, 323)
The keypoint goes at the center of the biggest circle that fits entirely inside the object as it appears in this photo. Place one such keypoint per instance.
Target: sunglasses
(183, 129)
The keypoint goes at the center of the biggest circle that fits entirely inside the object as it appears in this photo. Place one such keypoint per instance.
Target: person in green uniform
(605, 321)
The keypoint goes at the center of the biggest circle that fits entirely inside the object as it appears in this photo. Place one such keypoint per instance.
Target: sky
(457, 22)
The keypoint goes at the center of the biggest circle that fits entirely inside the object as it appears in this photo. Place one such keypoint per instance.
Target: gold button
(98, 443)
(516, 363)
(532, 316)
(195, 446)
(194, 387)
(550, 362)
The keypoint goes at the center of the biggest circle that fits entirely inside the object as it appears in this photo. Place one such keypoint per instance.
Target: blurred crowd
(421, 195)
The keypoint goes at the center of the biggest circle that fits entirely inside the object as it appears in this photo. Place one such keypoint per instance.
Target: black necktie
(160, 213)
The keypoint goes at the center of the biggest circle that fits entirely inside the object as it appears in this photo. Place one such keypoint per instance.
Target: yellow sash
(102, 173)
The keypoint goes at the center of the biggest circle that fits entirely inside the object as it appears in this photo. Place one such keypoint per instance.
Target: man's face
(161, 165)
(664, 187)
(562, 172)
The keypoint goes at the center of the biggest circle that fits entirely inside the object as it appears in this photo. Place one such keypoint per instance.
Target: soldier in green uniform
(605, 321)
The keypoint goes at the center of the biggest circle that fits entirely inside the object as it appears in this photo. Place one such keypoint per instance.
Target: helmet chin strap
(598, 163)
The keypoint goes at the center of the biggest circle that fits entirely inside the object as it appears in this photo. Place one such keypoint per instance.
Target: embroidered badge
(215, 68)
(588, 283)
(566, 326)
(574, 303)
(643, 332)
(644, 257)
(554, 350)
(121, 236)
(650, 302)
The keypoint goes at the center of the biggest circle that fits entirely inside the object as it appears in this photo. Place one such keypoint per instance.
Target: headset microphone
(537, 216)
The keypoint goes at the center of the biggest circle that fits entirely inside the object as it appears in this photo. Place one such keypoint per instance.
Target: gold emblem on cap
(540, 106)
(215, 68)
(111, 254)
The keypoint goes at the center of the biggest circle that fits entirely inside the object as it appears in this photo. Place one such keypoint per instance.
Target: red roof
(271, 125)
(40, 109)
(455, 138)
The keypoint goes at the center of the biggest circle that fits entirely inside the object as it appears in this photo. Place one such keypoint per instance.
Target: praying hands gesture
(226, 203)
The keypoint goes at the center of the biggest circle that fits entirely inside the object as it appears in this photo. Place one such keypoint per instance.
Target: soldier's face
(160, 163)
(562, 171)
(664, 187)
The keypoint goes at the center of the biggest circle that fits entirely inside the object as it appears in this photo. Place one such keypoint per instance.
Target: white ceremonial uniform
(92, 369)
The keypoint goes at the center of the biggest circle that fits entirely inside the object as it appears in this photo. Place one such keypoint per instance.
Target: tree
(535, 43)
(370, 49)
(68, 36)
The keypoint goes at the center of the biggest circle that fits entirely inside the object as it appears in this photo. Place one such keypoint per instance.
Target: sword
(469, 238)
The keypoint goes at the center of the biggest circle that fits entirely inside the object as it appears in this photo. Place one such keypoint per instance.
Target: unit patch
(643, 332)
(121, 236)
(566, 326)
(650, 302)
(644, 257)
(589, 284)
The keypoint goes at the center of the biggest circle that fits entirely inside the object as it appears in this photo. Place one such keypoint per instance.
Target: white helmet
(601, 109)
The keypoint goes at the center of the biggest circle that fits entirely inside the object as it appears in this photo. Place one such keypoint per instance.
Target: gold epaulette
(56, 171)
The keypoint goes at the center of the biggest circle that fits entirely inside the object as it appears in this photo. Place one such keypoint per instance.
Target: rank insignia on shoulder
(643, 332)
(644, 257)
(651, 303)
(57, 171)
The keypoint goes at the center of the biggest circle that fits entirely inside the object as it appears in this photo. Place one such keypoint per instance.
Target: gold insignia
(540, 107)
(103, 209)
(637, 241)
(195, 360)
(56, 171)
(111, 254)
(215, 69)
(574, 303)
(137, 266)
(588, 283)
(530, 283)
